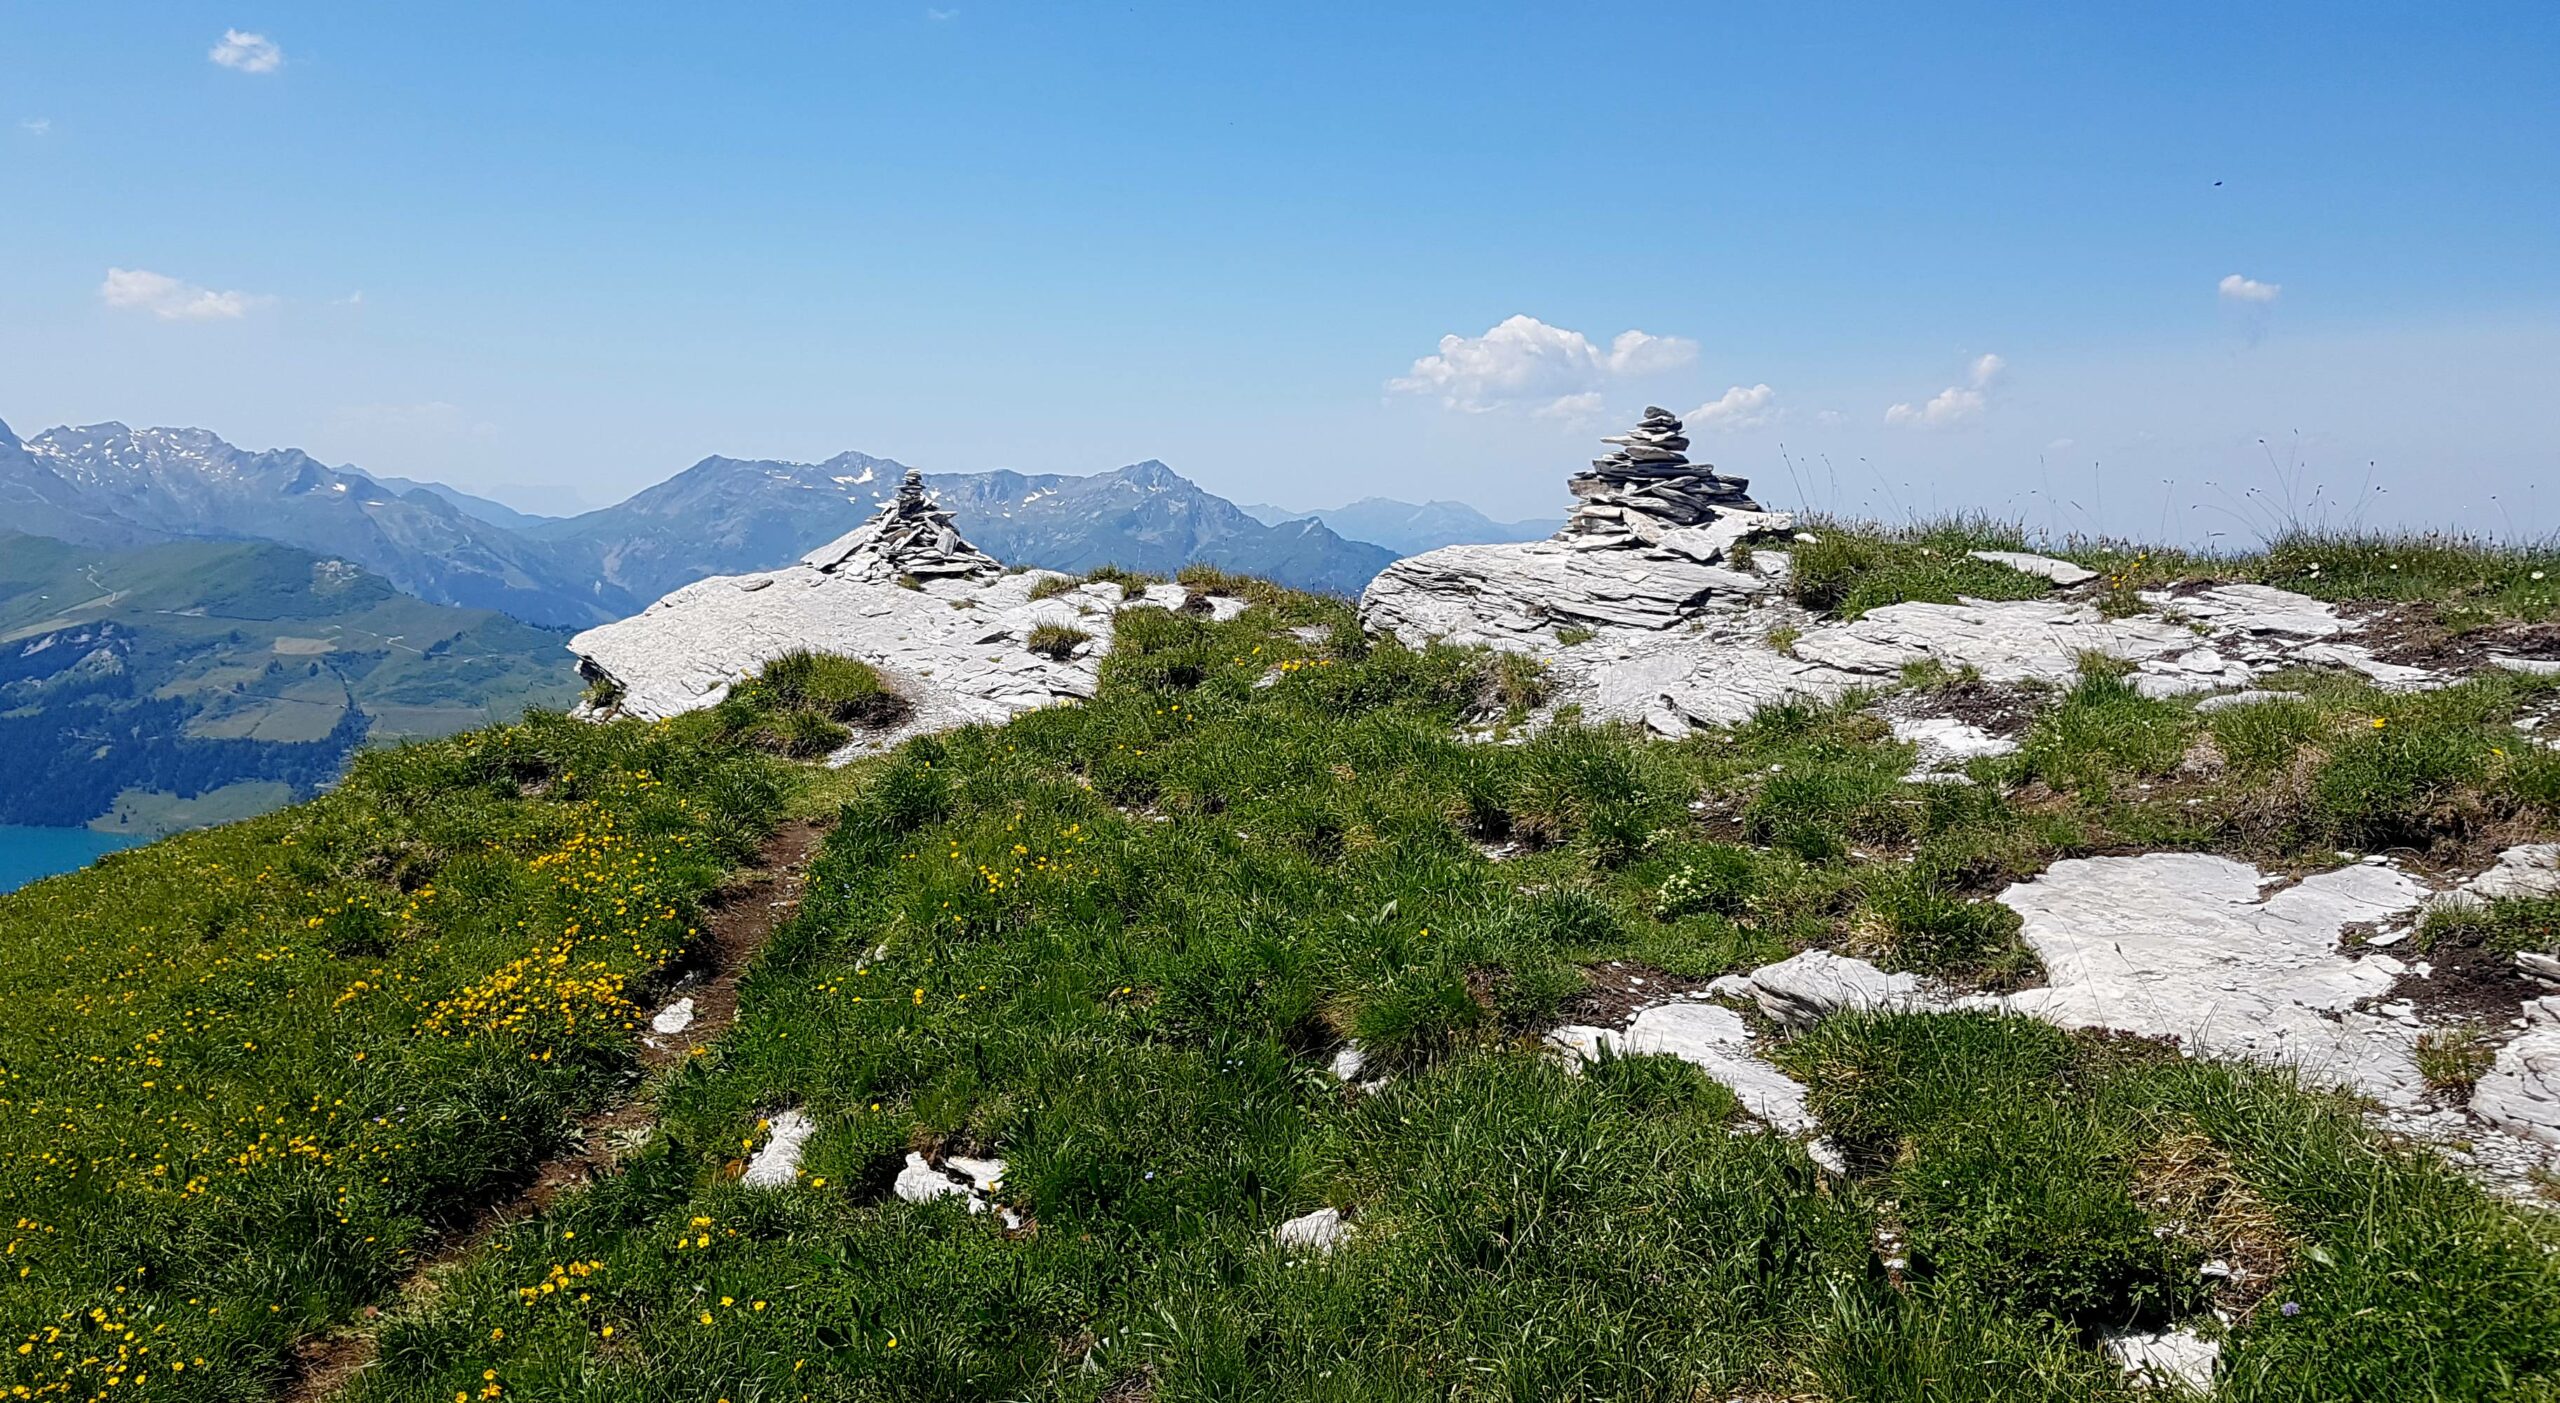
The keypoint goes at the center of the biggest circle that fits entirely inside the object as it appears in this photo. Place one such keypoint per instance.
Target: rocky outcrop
(902, 592)
(1648, 546)
(2521, 1093)
(1645, 610)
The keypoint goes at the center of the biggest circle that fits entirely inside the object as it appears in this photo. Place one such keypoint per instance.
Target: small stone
(777, 1165)
(674, 1018)
(2179, 1360)
(2061, 572)
(1319, 1232)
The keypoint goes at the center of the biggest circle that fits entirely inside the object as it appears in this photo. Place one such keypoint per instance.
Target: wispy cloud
(36, 126)
(169, 299)
(2236, 288)
(1741, 407)
(1523, 363)
(938, 14)
(1956, 404)
(249, 53)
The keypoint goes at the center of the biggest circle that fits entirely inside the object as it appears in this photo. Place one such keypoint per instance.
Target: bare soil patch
(2465, 982)
(1619, 989)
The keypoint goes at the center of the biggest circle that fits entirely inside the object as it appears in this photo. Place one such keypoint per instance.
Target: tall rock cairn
(909, 536)
(1648, 474)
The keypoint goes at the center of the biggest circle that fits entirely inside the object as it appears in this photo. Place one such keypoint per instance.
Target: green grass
(252, 1072)
(1118, 944)
(2462, 582)
(2454, 573)
(1853, 567)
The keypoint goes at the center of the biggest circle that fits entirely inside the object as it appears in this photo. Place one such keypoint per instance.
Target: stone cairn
(1648, 474)
(910, 536)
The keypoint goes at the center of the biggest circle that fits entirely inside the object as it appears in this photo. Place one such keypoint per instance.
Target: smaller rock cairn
(910, 536)
(1649, 474)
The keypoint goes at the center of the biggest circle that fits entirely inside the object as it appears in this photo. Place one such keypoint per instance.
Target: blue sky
(561, 251)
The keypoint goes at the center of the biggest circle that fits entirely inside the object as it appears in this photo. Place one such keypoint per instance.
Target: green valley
(169, 685)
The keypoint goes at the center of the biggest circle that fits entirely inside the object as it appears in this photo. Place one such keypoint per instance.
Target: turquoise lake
(29, 853)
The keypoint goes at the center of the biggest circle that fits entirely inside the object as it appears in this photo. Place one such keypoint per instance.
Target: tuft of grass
(1130, 581)
(1056, 642)
(2505, 927)
(1851, 568)
(1515, 685)
(2104, 734)
(1575, 635)
(1718, 878)
(2452, 1060)
(1051, 586)
(838, 688)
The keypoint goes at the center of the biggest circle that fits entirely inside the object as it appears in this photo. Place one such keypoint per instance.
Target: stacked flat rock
(1648, 473)
(909, 536)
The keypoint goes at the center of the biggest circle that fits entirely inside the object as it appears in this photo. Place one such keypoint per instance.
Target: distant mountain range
(110, 486)
(1410, 529)
(725, 516)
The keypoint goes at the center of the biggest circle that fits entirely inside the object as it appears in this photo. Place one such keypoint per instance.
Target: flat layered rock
(956, 647)
(2521, 1093)
(2213, 953)
(1317, 1233)
(1802, 990)
(1516, 596)
(1716, 666)
(2061, 572)
(1714, 1040)
(777, 1165)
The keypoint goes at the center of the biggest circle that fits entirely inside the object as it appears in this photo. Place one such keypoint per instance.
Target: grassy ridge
(1117, 944)
(250, 1072)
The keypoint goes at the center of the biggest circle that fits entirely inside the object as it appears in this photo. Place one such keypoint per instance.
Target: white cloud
(1642, 353)
(1740, 407)
(1526, 364)
(36, 126)
(1586, 405)
(940, 14)
(1956, 404)
(249, 53)
(2236, 288)
(169, 299)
